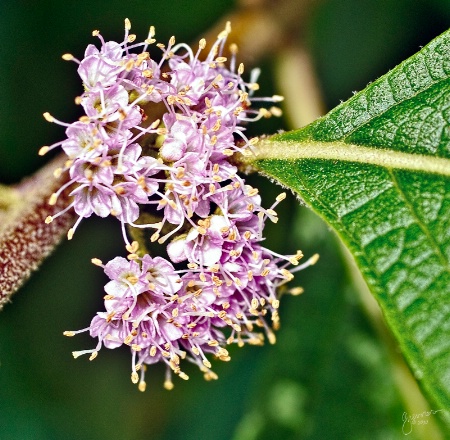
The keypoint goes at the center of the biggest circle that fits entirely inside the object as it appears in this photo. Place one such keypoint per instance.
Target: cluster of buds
(124, 161)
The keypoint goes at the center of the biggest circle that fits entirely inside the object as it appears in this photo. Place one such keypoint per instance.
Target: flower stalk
(25, 239)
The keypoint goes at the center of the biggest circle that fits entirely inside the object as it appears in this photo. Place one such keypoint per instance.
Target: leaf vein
(422, 226)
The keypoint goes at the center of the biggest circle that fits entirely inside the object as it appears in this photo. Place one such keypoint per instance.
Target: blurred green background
(328, 377)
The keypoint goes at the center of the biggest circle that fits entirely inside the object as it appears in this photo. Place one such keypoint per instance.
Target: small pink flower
(225, 287)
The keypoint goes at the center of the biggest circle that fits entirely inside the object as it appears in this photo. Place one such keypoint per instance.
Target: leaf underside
(394, 219)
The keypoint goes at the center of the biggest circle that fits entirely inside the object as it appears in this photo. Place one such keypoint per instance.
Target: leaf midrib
(281, 150)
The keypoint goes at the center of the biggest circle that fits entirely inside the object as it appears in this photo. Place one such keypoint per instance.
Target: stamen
(43, 150)
(48, 117)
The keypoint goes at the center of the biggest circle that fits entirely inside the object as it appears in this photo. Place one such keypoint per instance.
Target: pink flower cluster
(124, 161)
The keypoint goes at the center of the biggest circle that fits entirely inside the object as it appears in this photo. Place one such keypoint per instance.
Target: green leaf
(377, 169)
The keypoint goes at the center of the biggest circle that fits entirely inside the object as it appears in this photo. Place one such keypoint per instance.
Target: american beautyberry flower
(166, 168)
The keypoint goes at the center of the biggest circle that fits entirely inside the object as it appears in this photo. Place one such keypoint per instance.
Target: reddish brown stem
(25, 238)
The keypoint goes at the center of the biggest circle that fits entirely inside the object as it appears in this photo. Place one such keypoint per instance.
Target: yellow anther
(281, 197)
(48, 117)
(238, 110)
(296, 291)
(132, 279)
(134, 377)
(168, 385)
(133, 247)
(276, 111)
(314, 259)
(201, 230)
(252, 192)
(264, 113)
(97, 262)
(210, 375)
(148, 73)
(43, 150)
(271, 337)
(243, 96)
(151, 32)
(277, 98)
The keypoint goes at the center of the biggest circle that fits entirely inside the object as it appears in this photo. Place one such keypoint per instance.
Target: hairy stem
(25, 239)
